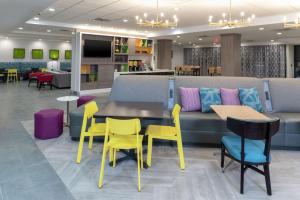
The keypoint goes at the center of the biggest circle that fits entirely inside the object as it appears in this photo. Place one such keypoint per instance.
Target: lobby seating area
(149, 100)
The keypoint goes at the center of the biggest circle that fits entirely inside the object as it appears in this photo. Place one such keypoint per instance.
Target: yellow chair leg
(80, 147)
(139, 170)
(91, 142)
(102, 167)
(142, 160)
(180, 152)
(149, 151)
(111, 155)
(115, 155)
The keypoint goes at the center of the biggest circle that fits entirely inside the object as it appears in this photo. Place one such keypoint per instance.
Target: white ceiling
(192, 14)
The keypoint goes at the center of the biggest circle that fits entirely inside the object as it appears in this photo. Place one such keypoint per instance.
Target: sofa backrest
(140, 88)
(218, 82)
(285, 94)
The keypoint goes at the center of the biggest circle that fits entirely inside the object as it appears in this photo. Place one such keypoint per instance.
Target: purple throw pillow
(230, 96)
(190, 99)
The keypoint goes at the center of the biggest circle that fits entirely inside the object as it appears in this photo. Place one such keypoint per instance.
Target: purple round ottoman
(84, 99)
(48, 123)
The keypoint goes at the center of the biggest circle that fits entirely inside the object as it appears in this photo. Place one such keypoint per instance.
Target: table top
(238, 112)
(122, 109)
(67, 98)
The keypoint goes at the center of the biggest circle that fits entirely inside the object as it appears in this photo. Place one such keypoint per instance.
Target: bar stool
(12, 75)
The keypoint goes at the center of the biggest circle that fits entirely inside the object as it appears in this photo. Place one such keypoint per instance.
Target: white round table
(67, 99)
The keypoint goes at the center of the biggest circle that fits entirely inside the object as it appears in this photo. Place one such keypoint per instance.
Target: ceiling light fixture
(67, 41)
(178, 36)
(292, 24)
(272, 40)
(36, 18)
(51, 9)
(48, 31)
(125, 20)
(158, 22)
(20, 28)
(279, 33)
(40, 39)
(228, 22)
(200, 39)
(176, 9)
(261, 28)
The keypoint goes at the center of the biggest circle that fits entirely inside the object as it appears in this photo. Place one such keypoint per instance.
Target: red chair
(33, 76)
(45, 79)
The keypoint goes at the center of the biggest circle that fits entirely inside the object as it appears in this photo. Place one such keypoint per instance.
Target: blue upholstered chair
(250, 147)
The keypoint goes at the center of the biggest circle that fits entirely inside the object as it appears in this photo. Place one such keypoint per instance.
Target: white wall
(177, 58)
(7, 46)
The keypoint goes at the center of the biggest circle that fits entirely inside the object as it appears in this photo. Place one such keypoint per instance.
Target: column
(231, 54)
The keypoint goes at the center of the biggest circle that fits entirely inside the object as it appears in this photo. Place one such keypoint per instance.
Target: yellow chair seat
(161, 132)
(124, 141)
(98, 129)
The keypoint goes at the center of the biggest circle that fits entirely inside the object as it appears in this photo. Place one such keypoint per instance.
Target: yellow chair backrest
(123, 127)
(43, 69)
(12, 71)
(89, 110)
(175, 115)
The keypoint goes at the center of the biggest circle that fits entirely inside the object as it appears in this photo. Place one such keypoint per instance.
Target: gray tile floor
(24, 171)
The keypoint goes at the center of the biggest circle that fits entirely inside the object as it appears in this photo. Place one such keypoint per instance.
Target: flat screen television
(96, 49)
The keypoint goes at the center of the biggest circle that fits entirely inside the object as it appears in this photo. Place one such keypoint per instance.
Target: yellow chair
(166, 133)
(44, 69)
(12, 75)
(95, 129)
(122, 134)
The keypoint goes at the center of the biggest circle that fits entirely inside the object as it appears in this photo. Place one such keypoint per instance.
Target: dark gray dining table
(128, 110)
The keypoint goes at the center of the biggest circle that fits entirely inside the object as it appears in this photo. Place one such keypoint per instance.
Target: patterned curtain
(203, 57)
(264, 61)
(257, 61)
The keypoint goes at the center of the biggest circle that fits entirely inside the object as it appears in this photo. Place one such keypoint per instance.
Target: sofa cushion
(190, 99)
(219, 82)
(202, 122)
(209, 96)
(285, 95)
(291, 121)
(230, 96)
(140, 88)
(250, 97)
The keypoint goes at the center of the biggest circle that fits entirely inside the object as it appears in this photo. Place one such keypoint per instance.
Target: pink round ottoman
(48, 123)
(84, 99)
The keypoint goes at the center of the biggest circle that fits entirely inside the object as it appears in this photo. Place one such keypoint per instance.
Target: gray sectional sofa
(208, 128)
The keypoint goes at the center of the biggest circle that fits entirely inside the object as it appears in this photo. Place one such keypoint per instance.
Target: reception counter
(154, 72)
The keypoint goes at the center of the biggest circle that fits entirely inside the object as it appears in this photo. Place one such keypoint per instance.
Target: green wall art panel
(37, 53)
(53, 54)
(19, 53)
(68, 54)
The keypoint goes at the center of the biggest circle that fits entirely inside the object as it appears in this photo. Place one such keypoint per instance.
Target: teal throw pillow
(209, 96)
(249, 97)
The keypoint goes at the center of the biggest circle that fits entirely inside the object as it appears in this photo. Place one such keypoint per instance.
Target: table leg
(68, 105)
(129, 155)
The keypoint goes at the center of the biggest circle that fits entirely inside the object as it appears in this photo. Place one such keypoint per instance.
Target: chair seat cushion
(124, 141)
(254, 149)
(161, 132)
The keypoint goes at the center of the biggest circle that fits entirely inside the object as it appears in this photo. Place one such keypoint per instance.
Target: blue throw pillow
(209, 96)
(250, 97)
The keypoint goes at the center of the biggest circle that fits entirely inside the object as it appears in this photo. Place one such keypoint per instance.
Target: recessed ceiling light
(279, 33)
(48, 30)
(67, 41)
(176, 9)
(200, 39)
(6, 38)
(51, 9)
(261, 28)
(125, 20)
(20, 28)
(174, 41)
(40, 39)
(172, 27)
(36, 18)
(190, 42)
(179, 43)
(73, 33)
(272, 40)
(178, 36)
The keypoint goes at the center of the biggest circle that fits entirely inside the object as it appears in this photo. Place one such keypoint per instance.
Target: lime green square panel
(19, 53)
(68, 54)
(53, 54)
(37, 54)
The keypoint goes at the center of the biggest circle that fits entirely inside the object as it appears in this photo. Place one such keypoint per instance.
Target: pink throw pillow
(190, 99)
(230, 96)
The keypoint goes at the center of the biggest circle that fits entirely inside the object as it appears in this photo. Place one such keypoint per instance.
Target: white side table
(67, 99)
